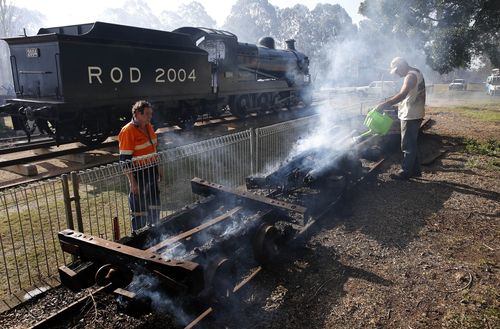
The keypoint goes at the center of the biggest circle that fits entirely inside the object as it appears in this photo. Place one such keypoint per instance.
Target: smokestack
(290, 44)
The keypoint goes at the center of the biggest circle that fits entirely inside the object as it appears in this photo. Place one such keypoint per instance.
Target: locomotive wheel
(187, 123)
(263, 102)
(242, 104)
(265, 244)
(46, 126)
(306, 99)
(220, 278)
(93, 131)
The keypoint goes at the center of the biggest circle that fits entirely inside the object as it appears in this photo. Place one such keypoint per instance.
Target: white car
(457, 84)
(378, 89)
(493, 85)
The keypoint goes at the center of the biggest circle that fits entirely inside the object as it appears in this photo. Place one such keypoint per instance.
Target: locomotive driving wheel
(242, 104)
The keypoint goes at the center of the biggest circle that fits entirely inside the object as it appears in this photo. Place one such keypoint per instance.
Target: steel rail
(54, 154)
(46, 142)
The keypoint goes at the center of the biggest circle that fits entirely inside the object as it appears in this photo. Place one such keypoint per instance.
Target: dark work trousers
(409, 146)
(145, 206)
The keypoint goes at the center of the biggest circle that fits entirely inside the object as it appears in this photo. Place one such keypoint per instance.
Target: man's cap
(397, 62)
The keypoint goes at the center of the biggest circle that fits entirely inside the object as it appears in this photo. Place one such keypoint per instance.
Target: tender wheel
(93, 131)
(46, 127)
(265, 245)
(187, 123)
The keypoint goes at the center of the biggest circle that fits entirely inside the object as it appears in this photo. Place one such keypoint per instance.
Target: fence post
(67, 202)
(75, 181)
(253, 150)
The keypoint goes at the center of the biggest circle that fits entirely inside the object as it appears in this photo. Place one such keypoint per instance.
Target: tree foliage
(451, 32)
(13, 21)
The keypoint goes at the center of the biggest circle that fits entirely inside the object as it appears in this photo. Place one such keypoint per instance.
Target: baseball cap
(397, 62)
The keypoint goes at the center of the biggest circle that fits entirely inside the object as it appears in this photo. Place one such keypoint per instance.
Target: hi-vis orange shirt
(134, 143)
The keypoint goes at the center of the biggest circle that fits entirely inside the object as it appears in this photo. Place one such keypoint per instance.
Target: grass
(491, 147)
(482, 114)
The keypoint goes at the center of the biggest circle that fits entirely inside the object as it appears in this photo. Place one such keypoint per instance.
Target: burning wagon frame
(201, 252)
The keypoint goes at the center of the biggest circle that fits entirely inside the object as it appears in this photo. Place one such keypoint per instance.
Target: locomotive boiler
(78, 82)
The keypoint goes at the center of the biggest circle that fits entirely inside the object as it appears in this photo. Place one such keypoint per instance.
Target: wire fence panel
(104, 192)
(30, 218)
(274, 143)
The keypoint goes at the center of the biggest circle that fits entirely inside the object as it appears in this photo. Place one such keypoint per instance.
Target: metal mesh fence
(31, 216)
(274, 143)
(104, 192)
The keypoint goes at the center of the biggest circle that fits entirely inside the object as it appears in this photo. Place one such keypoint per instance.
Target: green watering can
(377, 123)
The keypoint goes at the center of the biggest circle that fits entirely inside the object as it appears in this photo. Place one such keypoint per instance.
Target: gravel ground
(416, 254)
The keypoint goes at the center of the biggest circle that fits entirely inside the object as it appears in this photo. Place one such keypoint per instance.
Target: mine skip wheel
(265, 245)
(110, 274)
(220, 278)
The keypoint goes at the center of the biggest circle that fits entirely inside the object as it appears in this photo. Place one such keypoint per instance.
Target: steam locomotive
(78, 82)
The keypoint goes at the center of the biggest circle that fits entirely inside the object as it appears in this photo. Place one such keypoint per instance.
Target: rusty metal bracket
(125, 258)
(203, 187)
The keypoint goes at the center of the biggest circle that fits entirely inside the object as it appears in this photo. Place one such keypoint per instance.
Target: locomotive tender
(78, 82)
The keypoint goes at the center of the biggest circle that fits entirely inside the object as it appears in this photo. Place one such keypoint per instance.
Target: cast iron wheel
(187, 123)
(242, 104)
(220, 278)
(93, 131)
(105, 274)
(263, 101)
(265, 245)
(46, 127)
(306, 99)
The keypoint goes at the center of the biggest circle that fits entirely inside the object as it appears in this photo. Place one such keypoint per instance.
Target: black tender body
(79, 82)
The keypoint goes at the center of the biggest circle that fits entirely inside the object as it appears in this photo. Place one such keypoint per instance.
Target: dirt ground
(423, 253)
(417, 254)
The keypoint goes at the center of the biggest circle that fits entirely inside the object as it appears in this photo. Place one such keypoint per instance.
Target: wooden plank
(52, 281)
(12, 301)
(3, 307)
(199, 318)
(195, 230)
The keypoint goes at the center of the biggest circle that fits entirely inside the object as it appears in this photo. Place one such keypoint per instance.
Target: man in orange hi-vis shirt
(137, 140)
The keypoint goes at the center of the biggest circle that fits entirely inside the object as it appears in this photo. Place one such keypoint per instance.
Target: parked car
(457, 84)
(378, 88)
(493, 83)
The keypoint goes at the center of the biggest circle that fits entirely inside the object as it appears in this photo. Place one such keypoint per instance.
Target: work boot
(417, 174)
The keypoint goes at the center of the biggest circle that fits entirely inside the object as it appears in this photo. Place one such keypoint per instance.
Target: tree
(451, 32)
(133, 13)
(192, 14)
(13, 20)
(252, 19)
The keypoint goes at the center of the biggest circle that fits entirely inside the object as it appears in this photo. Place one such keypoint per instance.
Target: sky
(70, 12)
